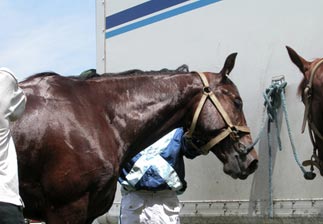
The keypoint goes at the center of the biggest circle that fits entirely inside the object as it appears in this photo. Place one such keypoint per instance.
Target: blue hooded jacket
(160, 166)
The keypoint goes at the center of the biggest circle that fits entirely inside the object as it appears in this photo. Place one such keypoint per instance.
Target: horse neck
(143, 108)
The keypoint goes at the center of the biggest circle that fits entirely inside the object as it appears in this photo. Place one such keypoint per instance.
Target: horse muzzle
(240, 166)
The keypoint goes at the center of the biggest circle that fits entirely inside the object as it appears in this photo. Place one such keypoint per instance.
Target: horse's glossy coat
(76, 134)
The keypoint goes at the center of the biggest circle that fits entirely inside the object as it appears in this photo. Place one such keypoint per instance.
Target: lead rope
(274, 97)
(308, 175)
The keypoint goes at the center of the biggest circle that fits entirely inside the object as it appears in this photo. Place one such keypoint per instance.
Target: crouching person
(152, 180)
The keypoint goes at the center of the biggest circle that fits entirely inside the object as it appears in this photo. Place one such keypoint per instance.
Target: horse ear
(229, 64)
(300, 62)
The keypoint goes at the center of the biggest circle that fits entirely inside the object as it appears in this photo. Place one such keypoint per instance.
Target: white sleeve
(13, 99)
(17, 104)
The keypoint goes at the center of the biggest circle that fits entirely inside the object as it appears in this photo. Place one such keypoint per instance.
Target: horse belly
(34, 200)
(101, 199)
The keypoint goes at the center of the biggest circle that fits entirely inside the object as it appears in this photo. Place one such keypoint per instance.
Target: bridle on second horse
(312, 129)
(231, 130)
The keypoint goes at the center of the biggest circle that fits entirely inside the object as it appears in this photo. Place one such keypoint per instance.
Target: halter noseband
(312, 129)
(231, 130)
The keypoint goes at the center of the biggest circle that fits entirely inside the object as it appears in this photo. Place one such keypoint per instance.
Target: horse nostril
(253, 165)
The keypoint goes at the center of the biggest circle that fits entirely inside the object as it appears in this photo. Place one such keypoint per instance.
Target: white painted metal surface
(258, 30)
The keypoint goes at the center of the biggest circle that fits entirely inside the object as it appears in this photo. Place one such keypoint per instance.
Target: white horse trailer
(151, 35)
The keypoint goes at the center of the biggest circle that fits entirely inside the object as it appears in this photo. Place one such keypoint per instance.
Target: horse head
(219, 124)
(310, 90)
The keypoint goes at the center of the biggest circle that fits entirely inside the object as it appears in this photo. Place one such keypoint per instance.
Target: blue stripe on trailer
(162, 16)
(139, 11)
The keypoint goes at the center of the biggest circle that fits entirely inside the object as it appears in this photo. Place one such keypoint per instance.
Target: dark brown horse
(76, 134)
(311, 91)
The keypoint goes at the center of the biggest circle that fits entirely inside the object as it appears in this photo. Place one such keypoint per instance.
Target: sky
(51, 35)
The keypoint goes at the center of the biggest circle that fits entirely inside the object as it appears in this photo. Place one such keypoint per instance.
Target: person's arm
(6, 92)
(17, 104)
(13, 99)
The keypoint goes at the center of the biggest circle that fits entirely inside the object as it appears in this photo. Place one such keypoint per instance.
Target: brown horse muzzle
(238, 163)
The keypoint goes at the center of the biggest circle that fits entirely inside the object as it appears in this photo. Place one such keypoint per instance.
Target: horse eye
(238, 102)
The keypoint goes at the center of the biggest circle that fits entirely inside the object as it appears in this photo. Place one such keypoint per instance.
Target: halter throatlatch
(231, 130)
(312, 129)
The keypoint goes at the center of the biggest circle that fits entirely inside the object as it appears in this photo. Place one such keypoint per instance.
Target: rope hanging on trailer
(274, 98)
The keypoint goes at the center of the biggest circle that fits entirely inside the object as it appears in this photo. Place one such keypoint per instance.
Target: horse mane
(42, 74)
(91, 73)
(183, 68)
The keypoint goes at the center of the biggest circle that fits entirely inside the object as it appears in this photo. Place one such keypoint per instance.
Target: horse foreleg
(70, 213)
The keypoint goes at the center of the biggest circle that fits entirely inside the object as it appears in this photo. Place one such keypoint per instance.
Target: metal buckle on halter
(207, 90)
(234, 135)
(308, 91)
